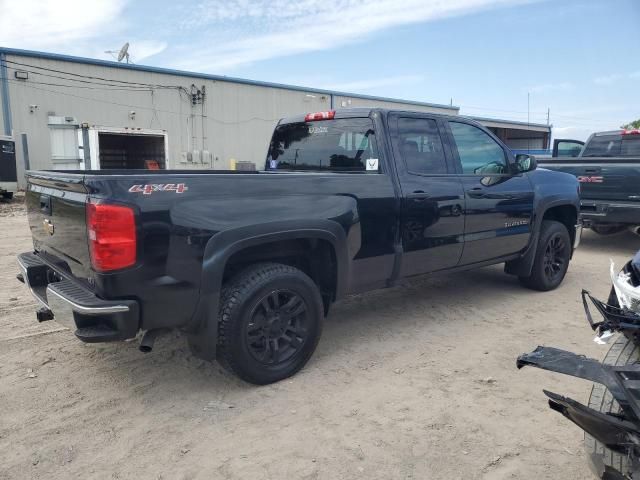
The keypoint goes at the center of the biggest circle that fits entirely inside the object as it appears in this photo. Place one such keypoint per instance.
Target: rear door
(432, 225)
(498, 203)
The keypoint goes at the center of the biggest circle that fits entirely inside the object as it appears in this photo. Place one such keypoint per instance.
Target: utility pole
(528, 119)
(548, 112)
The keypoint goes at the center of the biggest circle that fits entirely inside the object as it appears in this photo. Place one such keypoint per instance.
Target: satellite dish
(124, 52)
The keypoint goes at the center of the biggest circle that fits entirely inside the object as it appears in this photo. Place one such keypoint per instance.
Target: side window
(420, 146)
(568, 148)
(479, 153)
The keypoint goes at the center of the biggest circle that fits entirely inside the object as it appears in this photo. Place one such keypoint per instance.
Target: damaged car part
(617, 430)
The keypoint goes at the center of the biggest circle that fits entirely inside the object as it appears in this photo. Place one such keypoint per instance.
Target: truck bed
(602, 178)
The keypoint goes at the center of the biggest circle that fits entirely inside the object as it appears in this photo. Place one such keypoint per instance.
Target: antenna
(124, 52)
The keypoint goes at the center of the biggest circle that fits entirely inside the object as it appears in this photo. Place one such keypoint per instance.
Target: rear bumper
(76, 307)
(601, 211)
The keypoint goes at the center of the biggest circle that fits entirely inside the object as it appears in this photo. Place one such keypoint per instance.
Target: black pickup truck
(248, 263)
(608, 168)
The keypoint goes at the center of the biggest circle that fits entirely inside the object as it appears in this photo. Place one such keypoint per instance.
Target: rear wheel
(552, 257)
(622, 352)
(270, 323)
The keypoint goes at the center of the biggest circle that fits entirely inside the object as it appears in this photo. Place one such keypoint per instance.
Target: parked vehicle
(248, 263)
(612, 418)
(8, 175)
(608, 169)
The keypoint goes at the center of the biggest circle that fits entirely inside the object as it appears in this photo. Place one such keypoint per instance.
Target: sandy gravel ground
(415, 382)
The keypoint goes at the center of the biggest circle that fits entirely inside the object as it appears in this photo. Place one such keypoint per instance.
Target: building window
(63, 132)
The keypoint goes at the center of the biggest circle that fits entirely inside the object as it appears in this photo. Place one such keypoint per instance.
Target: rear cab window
(614, 145)
(338, 145)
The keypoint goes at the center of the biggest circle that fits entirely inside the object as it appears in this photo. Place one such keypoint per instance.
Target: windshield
(345, 145)
(613, 146)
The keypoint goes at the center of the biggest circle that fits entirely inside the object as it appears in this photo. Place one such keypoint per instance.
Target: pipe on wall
(4, 95)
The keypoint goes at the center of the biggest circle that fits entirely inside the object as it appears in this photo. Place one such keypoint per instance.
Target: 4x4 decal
(159, 187)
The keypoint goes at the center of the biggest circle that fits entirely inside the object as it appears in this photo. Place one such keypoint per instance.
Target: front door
(498, 201)
(432, 224)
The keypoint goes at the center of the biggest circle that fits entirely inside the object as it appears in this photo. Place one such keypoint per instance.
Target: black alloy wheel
(277, 329)
(551, 258)
(556, 254)
(269, 323)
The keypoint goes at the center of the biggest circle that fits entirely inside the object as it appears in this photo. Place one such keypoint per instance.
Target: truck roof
(365, 112)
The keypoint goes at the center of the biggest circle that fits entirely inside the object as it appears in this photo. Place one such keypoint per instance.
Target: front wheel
(270, 323)
(552, 257)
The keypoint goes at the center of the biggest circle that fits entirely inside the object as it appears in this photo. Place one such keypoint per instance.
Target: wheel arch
(225, 253)
(561, 211)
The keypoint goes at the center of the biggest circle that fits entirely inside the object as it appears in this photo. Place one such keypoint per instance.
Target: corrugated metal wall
(234, 122)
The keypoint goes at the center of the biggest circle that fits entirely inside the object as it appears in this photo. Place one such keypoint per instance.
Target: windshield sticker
(315, 130)
(159, 187)
(372, 164)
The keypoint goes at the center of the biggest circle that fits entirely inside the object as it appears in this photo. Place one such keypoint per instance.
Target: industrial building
(68, 112)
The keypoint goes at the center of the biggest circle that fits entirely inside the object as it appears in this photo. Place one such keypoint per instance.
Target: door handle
(418, 196)
(476, 192)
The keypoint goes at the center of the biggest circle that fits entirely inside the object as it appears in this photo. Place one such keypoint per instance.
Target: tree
(632, 125)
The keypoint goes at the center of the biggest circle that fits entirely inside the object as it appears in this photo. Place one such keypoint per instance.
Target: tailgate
(603, 178)
(56, 210)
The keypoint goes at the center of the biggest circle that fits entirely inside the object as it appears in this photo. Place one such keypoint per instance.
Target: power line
(115, 88)
(141, 107)
(88, 76)
(90, 82)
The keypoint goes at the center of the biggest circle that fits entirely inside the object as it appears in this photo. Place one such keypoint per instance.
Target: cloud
(243, 32)
(373, 83)
(34, 24)
(608, 79)
(546, 87)
(615, 77)
(573, 132)
(142, 49)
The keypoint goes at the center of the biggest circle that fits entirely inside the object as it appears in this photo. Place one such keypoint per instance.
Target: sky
(576, 60)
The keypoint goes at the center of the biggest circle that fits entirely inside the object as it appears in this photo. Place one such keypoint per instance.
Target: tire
(553, 254)
(605, 229)
(270, 323)
(622, 352)
(7, 195)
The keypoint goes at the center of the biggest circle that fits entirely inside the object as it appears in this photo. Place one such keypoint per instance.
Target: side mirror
(525, 163)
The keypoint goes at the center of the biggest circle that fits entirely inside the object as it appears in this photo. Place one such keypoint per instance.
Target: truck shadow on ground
(623, 242)
(352, 324)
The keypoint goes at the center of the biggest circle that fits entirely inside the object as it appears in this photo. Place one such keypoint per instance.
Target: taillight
(313, 117)
(635, 131)
(112, 236)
